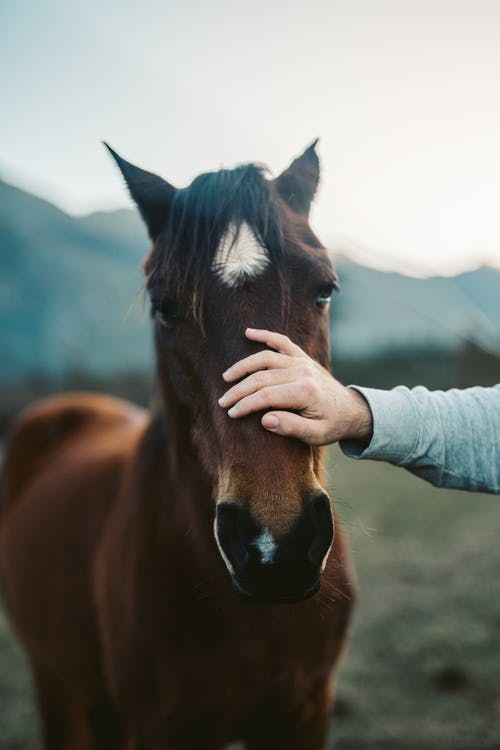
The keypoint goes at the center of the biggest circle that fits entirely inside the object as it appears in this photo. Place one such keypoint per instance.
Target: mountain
(71, 297)
(378, 312)
(70, 290)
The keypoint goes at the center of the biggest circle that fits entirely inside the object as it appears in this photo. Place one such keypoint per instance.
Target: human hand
(284, 377)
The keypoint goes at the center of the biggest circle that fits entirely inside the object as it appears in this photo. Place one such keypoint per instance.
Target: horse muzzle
(269, 569)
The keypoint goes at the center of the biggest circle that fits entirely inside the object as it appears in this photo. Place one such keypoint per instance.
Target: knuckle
(260, 378)
(234, 395)
(261, 358)
(279, 339)
(309, 386)
(315, 389)
(284, 426)
(272, 359)
(306, 370)
(241, 370)
(264, 394)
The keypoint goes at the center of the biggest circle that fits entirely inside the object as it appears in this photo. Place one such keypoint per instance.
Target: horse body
(113, 579)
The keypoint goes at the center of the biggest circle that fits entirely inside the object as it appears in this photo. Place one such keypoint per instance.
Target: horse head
(235, 249)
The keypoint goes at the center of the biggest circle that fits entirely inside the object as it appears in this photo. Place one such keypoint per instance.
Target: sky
(404, 95)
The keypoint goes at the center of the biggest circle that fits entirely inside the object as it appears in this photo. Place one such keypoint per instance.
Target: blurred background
(405, 98)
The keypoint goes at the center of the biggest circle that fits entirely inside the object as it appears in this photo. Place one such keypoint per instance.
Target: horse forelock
(226, 224)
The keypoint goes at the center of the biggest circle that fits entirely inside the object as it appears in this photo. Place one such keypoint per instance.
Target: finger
(287, 424)
(277, 341)
(259, 361)
(286, 396)
(256, 381)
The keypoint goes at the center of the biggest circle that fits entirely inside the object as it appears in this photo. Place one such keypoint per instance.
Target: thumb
(293, 425)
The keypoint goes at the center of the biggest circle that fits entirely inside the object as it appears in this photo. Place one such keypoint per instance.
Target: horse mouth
(270, 598)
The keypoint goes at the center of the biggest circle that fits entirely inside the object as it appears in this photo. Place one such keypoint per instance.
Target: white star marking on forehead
(266, 545)
(239, 254)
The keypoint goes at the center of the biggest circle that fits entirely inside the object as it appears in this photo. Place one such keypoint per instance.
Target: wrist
(361, 418)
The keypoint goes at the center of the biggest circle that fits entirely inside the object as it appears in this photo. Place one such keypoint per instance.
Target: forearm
(451, 439)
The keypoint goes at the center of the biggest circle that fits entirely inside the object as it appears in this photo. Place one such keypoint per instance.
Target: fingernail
(227, 373)
(232, 411)
(251, 330)
(272, 422)
(223, 400)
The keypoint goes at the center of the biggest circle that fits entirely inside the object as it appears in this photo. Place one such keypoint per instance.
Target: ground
(422, 670)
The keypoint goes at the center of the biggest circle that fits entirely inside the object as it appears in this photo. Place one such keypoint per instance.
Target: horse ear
(151, 193)
(297, 184)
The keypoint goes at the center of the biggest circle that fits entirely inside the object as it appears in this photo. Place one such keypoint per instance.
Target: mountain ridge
(71, 287)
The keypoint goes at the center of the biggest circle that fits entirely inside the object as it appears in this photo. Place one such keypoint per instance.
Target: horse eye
(324, 296)
(165, 312)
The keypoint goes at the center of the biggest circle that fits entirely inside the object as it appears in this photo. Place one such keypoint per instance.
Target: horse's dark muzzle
(267, 569)
(273, 597)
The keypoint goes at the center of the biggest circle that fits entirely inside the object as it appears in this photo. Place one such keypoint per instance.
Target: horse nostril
(322, 509)
(232, 532)
(322, 519)
(238, 553)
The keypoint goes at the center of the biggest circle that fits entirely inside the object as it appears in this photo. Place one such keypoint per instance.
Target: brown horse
(163, 569)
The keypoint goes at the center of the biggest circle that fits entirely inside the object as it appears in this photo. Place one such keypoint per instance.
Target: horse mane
(181, 260)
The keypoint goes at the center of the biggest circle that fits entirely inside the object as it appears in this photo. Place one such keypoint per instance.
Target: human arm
(449, 438)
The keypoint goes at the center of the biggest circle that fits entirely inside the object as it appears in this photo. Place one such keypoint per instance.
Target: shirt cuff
(395, 426)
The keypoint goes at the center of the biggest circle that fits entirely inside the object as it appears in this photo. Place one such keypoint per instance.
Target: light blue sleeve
(450, 438)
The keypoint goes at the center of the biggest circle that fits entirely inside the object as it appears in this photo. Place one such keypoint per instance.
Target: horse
(179, 579)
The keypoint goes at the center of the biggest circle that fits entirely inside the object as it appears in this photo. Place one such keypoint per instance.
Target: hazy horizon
(343, 247)
(403, 96)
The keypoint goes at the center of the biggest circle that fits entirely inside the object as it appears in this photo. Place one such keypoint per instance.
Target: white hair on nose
(266, 545)
(239, 254)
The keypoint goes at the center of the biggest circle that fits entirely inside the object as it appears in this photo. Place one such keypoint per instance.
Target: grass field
(422, 671)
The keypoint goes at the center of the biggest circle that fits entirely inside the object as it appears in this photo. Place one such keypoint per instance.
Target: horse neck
(169, 470)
